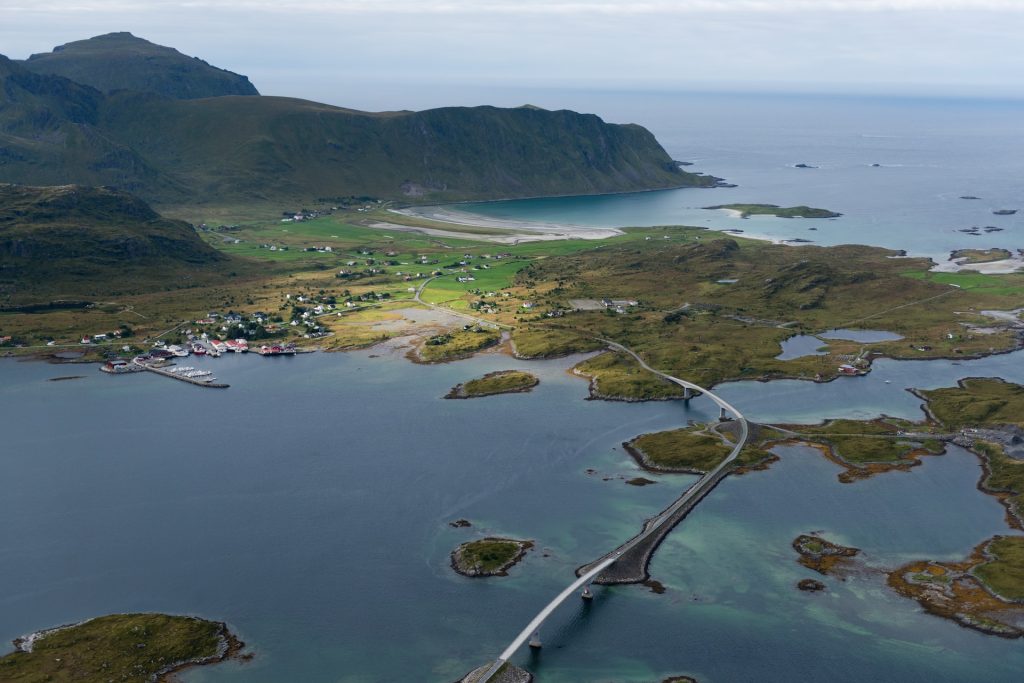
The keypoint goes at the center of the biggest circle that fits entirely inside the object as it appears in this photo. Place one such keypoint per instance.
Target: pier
(182, 378)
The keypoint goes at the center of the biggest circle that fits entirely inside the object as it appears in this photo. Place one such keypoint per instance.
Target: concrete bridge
(627, 563)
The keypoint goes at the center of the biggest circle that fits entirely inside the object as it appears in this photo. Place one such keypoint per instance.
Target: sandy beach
(512, 231)
(1009, 265)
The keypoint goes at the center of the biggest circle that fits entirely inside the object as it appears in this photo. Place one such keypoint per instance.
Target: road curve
(480, 321)
(653, 527)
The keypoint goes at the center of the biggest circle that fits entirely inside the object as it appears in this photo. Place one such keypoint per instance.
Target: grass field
(977, 402)
(1004, 573)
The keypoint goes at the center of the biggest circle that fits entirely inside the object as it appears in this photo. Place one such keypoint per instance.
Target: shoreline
(229, 647)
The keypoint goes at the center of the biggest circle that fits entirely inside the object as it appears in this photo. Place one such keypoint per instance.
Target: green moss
(121, 647)
(1004, 573)
(502, 382)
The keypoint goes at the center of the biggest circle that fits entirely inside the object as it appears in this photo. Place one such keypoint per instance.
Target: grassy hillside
(49, 135)
(120, 61)
(235, 150)
(712, 308)
(80, 242)
(247, 148)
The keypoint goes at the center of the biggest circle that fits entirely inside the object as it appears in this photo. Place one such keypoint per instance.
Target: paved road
(467, 316)
(658, 525)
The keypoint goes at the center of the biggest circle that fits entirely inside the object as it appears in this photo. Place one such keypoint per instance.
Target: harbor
(190, 375)
(160, 359)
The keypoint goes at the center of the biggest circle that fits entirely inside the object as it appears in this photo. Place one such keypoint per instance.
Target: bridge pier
(721, 415)
(687, 393)
(535, 640)
(587, 594)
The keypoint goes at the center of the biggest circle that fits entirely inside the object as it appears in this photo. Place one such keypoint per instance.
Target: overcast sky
(395, 53)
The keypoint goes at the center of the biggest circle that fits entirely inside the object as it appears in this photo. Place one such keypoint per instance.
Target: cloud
(522, 7)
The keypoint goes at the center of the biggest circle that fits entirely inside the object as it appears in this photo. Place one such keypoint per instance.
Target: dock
(182, 378)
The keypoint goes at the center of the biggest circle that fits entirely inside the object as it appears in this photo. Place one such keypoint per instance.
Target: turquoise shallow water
(308, 504)
(930, 153)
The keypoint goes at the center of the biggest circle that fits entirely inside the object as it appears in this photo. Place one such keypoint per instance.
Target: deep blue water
(308, 504)
(930, 153)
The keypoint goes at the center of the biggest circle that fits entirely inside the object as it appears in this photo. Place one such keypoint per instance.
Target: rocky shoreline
(229, 646)
(463, 562)
(467, 390)
(951, 590)
(821, 555)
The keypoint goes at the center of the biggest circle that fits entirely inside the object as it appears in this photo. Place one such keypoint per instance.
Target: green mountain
(50, 134)
(79, 241)
(120, 61)
(229, 150)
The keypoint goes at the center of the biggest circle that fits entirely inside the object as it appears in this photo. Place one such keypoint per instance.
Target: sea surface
(930, 152)
(308, 506)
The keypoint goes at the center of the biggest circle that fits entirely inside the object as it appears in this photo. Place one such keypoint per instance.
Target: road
(480, 321)
(654, 529)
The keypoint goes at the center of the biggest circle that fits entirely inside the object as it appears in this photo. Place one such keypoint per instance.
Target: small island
(820, 555)
(692, 450)
(493, 383)
(122, 647)
(491, 556)
(985, 592)
(748, 210)
(980, 255)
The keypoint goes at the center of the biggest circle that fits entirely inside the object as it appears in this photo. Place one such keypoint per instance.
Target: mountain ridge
(234, 149)
(122, 61)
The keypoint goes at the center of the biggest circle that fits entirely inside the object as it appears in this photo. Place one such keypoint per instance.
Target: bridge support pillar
(587, 594)
(535, 640)
(721, 414)
(687, 393)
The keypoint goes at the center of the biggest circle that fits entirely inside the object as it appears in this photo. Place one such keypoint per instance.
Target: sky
(392, 54)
